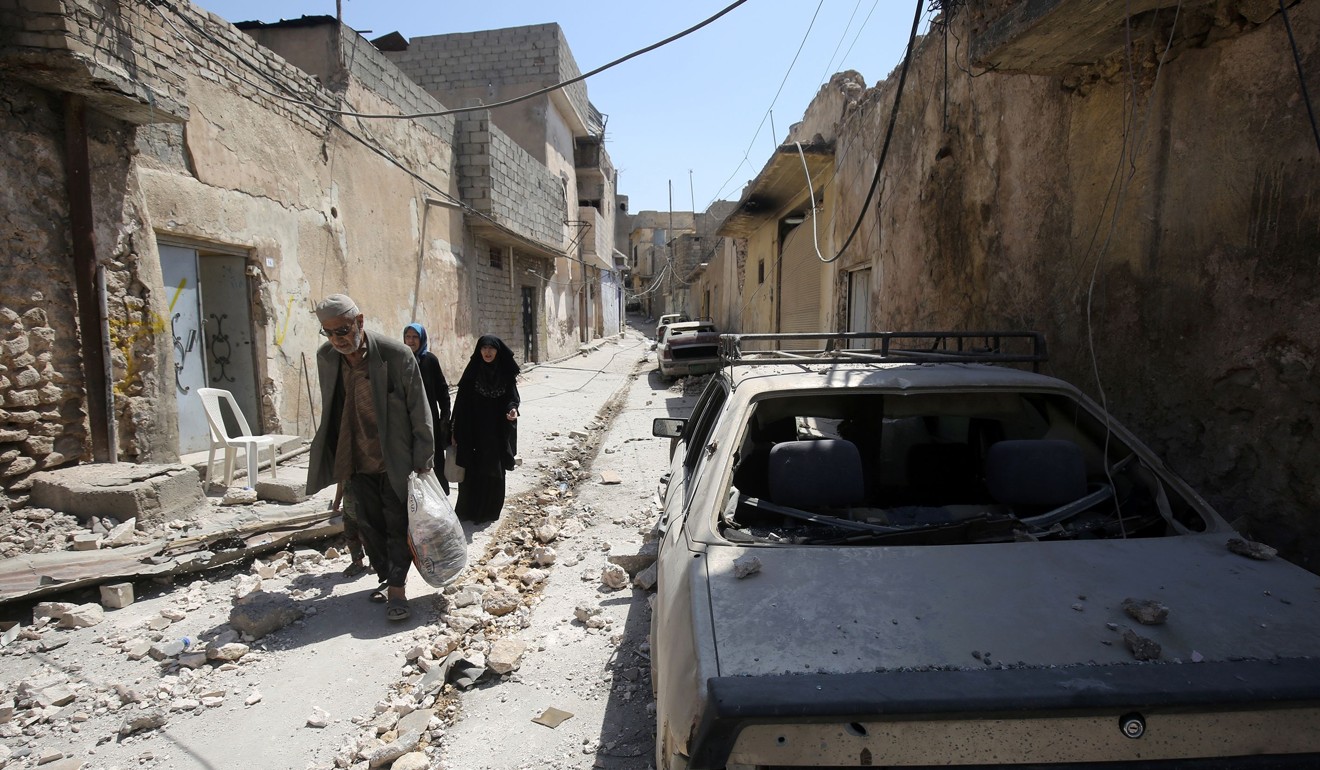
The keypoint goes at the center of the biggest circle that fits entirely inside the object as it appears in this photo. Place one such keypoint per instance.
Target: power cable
(843, 36)
(889, 133)
(1301, 74)
(747, 153)
(547, 89)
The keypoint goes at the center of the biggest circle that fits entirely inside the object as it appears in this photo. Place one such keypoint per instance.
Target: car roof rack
(982, 347)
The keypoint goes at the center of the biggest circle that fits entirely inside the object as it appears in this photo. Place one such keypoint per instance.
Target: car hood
(849, 609)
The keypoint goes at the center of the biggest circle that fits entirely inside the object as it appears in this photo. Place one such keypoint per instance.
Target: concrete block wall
(537, 55)
(500, 310)
(379, 75)
(501, 179)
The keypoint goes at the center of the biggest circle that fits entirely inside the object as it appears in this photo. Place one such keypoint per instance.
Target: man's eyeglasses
(342, 331)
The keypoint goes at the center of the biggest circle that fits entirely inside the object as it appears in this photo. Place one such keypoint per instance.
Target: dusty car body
(664, 322)
(688, 348)
(881, 558)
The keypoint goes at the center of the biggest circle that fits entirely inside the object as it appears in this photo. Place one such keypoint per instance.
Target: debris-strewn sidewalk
(228, 642)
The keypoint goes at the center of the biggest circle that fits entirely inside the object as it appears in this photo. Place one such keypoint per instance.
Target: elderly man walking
(375, 429)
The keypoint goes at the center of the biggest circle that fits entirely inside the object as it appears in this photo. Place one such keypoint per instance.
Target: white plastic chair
(220, 438)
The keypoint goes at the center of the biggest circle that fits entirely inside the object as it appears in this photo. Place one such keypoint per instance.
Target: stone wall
(1106, 209)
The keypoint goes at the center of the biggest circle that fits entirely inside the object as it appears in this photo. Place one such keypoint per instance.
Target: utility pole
(670, 235)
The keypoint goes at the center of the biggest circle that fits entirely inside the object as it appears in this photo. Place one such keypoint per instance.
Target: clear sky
(705, 111)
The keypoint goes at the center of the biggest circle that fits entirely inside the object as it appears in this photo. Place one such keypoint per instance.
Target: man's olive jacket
(402, 415)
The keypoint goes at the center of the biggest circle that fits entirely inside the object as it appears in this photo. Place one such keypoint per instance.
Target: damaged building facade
(1151, 206)
(181, 191)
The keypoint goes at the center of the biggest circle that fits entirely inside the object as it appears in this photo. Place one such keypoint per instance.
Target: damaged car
(688, 348)
(911, 550)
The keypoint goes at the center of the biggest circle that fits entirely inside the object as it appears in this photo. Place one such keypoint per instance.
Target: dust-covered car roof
(812, 374)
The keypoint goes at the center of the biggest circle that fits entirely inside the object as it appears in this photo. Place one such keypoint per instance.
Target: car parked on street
(665, 321)
(688, 348)
(919, 553)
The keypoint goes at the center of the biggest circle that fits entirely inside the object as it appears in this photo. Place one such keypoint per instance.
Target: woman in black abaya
(486, 428)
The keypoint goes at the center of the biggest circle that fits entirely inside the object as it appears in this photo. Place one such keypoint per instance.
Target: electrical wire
(327, 113)
(747, 153)
(1301, 74)
(1113, 224)
(889, 133)
(843, 36)
(547, 89)
(815, 237)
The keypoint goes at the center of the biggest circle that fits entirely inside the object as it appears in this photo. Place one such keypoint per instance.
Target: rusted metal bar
(92, 342)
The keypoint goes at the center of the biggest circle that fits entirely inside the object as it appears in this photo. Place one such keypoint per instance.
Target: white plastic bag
(435, 536)
(453, 471)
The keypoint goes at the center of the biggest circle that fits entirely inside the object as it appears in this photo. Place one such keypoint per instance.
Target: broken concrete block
(121, 534)
(610, 477)
(746, 566)
(1251, 549)
(87, 541)
(505, 656)
(245, 586)
(385, 755)
(532, 576)
(614, 576)
(282, 490)
(150, 493)
(231, 651)
(58, 695)
(239, 496)
(1142, 648)
(635, 563)
(319, 718)
(82, 616)
(499, 602)
(1147, 612)
(52, 610)
(543, 556)
(416, 721)
(261, 612)
(137, 649)
(548, 531)
(413, 760)
(139, 721)
(117, 596)
(467, 595)
(646, 579)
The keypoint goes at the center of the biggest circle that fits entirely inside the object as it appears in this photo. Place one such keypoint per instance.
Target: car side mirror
(667, 427)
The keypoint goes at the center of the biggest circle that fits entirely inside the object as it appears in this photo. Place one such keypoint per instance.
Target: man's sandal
(378, 595)
(398, 609)
(354, 569)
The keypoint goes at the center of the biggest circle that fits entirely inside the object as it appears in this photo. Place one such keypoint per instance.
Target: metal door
(859, 304)
(529, 323)
(179, 268)
(230, 361)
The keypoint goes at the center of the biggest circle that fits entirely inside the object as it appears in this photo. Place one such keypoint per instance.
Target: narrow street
(340, 686)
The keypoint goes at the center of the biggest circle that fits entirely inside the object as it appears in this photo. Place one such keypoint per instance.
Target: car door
(690, 450)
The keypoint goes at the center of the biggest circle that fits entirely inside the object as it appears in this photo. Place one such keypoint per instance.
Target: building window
(760, 271)
(496, 259)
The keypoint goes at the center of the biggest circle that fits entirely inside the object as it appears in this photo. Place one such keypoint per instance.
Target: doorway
(529, 323)
(211, 326)
(859, 304)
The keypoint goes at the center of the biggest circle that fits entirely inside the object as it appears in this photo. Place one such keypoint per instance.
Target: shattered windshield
(941, 468)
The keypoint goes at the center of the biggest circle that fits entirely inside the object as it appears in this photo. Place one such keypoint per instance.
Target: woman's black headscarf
(491, 380)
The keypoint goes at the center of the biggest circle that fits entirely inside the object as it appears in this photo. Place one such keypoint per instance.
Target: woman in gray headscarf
(486, 428)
